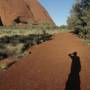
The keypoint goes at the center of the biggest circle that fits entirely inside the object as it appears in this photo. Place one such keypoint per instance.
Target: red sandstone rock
(21, 11)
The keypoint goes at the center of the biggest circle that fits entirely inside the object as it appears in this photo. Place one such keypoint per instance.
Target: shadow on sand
(73, 82)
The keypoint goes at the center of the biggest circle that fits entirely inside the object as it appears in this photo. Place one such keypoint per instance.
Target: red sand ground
(48, 67)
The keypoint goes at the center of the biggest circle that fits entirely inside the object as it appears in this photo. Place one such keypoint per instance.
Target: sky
(59, 10)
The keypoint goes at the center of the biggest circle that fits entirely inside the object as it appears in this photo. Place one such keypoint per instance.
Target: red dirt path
(48, 67)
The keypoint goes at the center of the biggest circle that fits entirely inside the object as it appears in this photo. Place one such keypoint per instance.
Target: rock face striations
(22, 11)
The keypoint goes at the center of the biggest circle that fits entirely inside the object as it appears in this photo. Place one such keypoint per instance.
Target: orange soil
(48, 67)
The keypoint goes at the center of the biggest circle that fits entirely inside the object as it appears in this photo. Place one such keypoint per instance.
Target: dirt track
(49, 67)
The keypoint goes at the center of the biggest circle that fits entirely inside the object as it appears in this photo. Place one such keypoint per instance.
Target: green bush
(12, 50)
(3, 66)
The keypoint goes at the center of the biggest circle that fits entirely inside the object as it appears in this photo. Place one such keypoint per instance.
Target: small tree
(79, 20)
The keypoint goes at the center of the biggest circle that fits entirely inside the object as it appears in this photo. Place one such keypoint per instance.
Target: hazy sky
(59, 10)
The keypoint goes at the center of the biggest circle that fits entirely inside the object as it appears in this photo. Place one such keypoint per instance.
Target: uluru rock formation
(22, 11)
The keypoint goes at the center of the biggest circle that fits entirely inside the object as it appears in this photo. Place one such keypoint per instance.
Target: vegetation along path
(62, 63)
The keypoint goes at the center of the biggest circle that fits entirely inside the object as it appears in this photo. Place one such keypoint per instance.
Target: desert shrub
(3, 66)
(12, 49)
(79, 20)
(16, 41)
(3, 53)
(63, 27)
(45, 26)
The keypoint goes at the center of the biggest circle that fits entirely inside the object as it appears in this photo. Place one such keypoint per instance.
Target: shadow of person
(73, 82)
